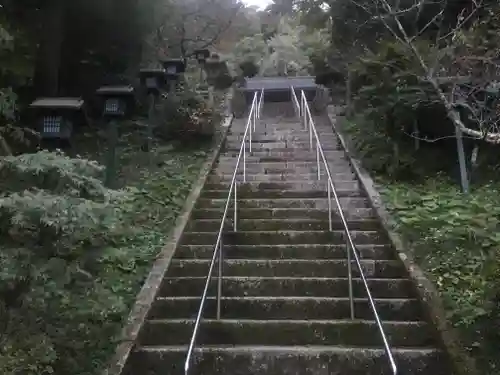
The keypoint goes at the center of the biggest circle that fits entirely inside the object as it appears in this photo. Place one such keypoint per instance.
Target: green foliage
(455, 238)
(54, 172)
(390, 86)
(378, 151)
(74, 255)
(249, 68)
(187, 115)
(50, 227)
(291, 49)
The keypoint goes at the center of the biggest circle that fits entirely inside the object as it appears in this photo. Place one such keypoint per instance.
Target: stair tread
(295, 322)
(278, 278)
(282, 182)
(279, 220)
(295, 349)
(295, 245)
(272, 200)
(290, 298)
(285, 260)
(285, 231)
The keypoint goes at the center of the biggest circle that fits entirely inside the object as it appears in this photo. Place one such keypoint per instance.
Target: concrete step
(287, 213)
(272, 128)
(288, 127)
(285, 360)
(283, 148)
(278, 194)
(300, 158)
(279, 168)
(310, 251)
(281, 177)
(271, 138)
(361, 333)
(302, 185)
(259, 225)
(284, 308)
(287, 287)
(276, 136)
(327, 145)
(290, 267)
(285, 237)
(347, 203)
(285, 140)
(288, 154)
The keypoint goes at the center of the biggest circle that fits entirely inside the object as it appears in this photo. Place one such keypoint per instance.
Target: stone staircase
(285, 305)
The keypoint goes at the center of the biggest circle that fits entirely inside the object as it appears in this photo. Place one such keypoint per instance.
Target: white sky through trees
(260, 3)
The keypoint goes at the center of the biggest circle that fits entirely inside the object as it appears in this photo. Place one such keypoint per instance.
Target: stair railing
(303, 111)
(218, 255)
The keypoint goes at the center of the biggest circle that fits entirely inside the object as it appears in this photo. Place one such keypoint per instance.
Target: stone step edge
(287, 233)
(295, 322)
(277, 209)
(292, 350)
(289, 298)
(304, 220)
(287, 181)
(295, 245)
(287, 199)
(287, 260)
(283, 232)
(285, 176)
(282, 278)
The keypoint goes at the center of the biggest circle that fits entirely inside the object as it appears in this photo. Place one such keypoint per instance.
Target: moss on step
(239, 332)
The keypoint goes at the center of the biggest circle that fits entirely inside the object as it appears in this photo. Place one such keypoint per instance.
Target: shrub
(54, 172)
(186, 115)
(249, 68)
(55, 219)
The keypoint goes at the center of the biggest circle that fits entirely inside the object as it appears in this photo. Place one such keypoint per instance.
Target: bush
(186, 115)
(54, 172)
(396, 108)
(12, 136)
(394, 158)
(55, 219)
(249, 68)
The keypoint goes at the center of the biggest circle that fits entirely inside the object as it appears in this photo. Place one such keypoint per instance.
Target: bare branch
(388, 15)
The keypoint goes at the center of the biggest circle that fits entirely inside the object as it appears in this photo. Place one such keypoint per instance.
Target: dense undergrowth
(74, 254)
(453, 237)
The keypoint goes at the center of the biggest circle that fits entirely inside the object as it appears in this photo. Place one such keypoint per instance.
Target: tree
(185, 26)
(456, 53)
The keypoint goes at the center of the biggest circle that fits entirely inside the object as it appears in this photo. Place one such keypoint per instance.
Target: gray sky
(259, 3)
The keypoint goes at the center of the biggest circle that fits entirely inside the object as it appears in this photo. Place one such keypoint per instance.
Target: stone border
(462, 363)
(147, 294)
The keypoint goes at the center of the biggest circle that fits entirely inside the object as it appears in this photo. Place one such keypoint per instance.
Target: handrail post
(310, 133)
(254, 113)
(244, 162)
(318, 168)
(250, 140)
(235, 219)
(330, 223)
(303, 111)
(219, 278)
(349, 273)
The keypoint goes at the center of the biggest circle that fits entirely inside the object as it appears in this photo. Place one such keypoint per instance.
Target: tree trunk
(348, 94)
(49, 48)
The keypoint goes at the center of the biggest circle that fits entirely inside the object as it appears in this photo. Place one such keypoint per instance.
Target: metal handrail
(304, 113)
(254, 114)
